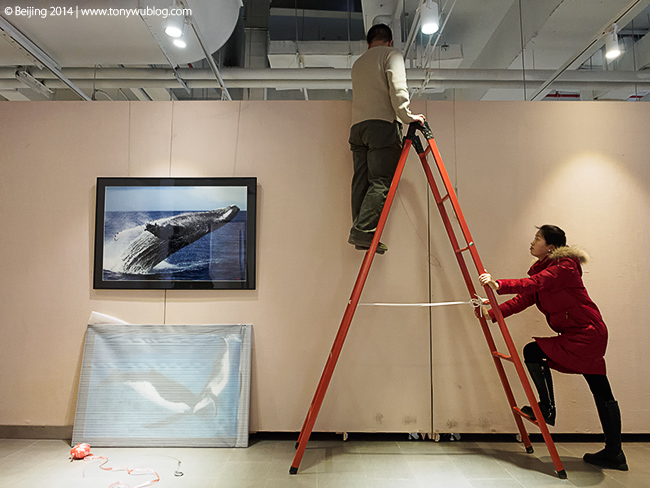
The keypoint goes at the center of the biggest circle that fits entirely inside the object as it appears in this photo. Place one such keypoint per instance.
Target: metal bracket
(26, 77)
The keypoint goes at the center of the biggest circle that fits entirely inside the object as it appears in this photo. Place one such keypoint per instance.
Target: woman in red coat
(555, 286)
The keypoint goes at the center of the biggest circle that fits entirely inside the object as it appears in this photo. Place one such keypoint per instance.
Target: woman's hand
(481, 312)
(486, 279)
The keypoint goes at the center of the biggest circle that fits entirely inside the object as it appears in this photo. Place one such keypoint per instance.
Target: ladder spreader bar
(518, 411)
(497, 354)
(467, 248)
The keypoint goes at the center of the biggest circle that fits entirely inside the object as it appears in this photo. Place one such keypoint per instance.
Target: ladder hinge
(425, 129)
(413, 137)
(417, 145)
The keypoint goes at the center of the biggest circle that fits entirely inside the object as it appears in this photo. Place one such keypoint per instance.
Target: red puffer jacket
(555, 286)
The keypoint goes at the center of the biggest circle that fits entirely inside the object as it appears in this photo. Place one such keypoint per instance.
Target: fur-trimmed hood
(570, 252)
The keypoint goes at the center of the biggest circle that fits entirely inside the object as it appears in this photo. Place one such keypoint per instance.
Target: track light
(180, 42)
(429, 17)
(174, 26)
(612, 49)
(177, 29)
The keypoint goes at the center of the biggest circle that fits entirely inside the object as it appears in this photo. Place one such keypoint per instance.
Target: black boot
(541, 376)
(612, 456)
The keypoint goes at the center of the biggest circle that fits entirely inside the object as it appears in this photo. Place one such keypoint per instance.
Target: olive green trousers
(376, 146)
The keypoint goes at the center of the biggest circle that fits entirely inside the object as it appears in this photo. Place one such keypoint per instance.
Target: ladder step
(497, 354)
(443, 199)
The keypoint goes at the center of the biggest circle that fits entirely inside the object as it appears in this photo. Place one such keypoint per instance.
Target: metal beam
(14, 96)
(31, 82)
(208, 55)
(36, 52)
(168, 57)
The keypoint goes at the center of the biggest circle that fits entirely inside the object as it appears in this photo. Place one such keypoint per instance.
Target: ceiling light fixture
(180, 42)
(429, 17)
(175, 25)
(612, 49)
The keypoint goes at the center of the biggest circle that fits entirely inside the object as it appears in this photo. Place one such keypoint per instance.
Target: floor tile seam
(517, 478)
(481, 478)
(519, 484)
(19, 452)
(370, 472)
(425, 458)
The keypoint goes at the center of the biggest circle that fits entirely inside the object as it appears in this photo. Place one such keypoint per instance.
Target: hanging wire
(428, 55)
(523, 59)
(636, 86)
(347, 6)
(94, 82)
(295, 17)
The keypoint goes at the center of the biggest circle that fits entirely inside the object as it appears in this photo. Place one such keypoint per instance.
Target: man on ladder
(379, 97)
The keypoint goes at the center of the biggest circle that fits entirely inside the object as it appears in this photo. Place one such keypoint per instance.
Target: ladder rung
(497, 354)
(518, 411)
(443, 199)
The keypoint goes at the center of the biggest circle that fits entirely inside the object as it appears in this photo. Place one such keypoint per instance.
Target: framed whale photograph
(175, 233)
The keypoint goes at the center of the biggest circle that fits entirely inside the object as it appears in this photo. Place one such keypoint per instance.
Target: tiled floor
(326, 463)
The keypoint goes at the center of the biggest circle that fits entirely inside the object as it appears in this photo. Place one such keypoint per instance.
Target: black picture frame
(175, 233)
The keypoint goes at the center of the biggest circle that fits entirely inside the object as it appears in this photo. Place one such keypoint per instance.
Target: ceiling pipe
(328, 84)
(331, 84)
(143, 75)
(339, 79)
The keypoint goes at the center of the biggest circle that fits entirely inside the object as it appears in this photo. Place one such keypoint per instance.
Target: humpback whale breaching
(175, 398)
(161, 238)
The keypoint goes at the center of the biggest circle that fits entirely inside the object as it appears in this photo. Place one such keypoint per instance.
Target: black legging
(598, 383)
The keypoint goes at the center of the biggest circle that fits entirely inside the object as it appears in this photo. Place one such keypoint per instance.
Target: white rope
(474, 302)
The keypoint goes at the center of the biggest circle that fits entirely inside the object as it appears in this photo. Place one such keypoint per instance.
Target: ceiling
(304, 49)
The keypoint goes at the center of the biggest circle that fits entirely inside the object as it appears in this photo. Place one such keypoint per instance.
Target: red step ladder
(412, 139)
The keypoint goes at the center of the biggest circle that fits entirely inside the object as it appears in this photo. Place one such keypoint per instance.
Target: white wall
(516, 165)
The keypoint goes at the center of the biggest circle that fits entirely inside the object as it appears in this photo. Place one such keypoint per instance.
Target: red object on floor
(80, 451)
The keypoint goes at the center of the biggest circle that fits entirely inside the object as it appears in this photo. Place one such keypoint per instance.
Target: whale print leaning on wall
(164, 385)
(175, 233)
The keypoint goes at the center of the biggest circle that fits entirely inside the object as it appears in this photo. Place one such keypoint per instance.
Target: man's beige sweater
(379, 86)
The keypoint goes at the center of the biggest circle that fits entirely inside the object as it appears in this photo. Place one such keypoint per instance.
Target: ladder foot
(293, 470)
(530, 450)
(562, 474)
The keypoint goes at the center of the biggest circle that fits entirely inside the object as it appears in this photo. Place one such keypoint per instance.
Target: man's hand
(486, 279)
(420, 118)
